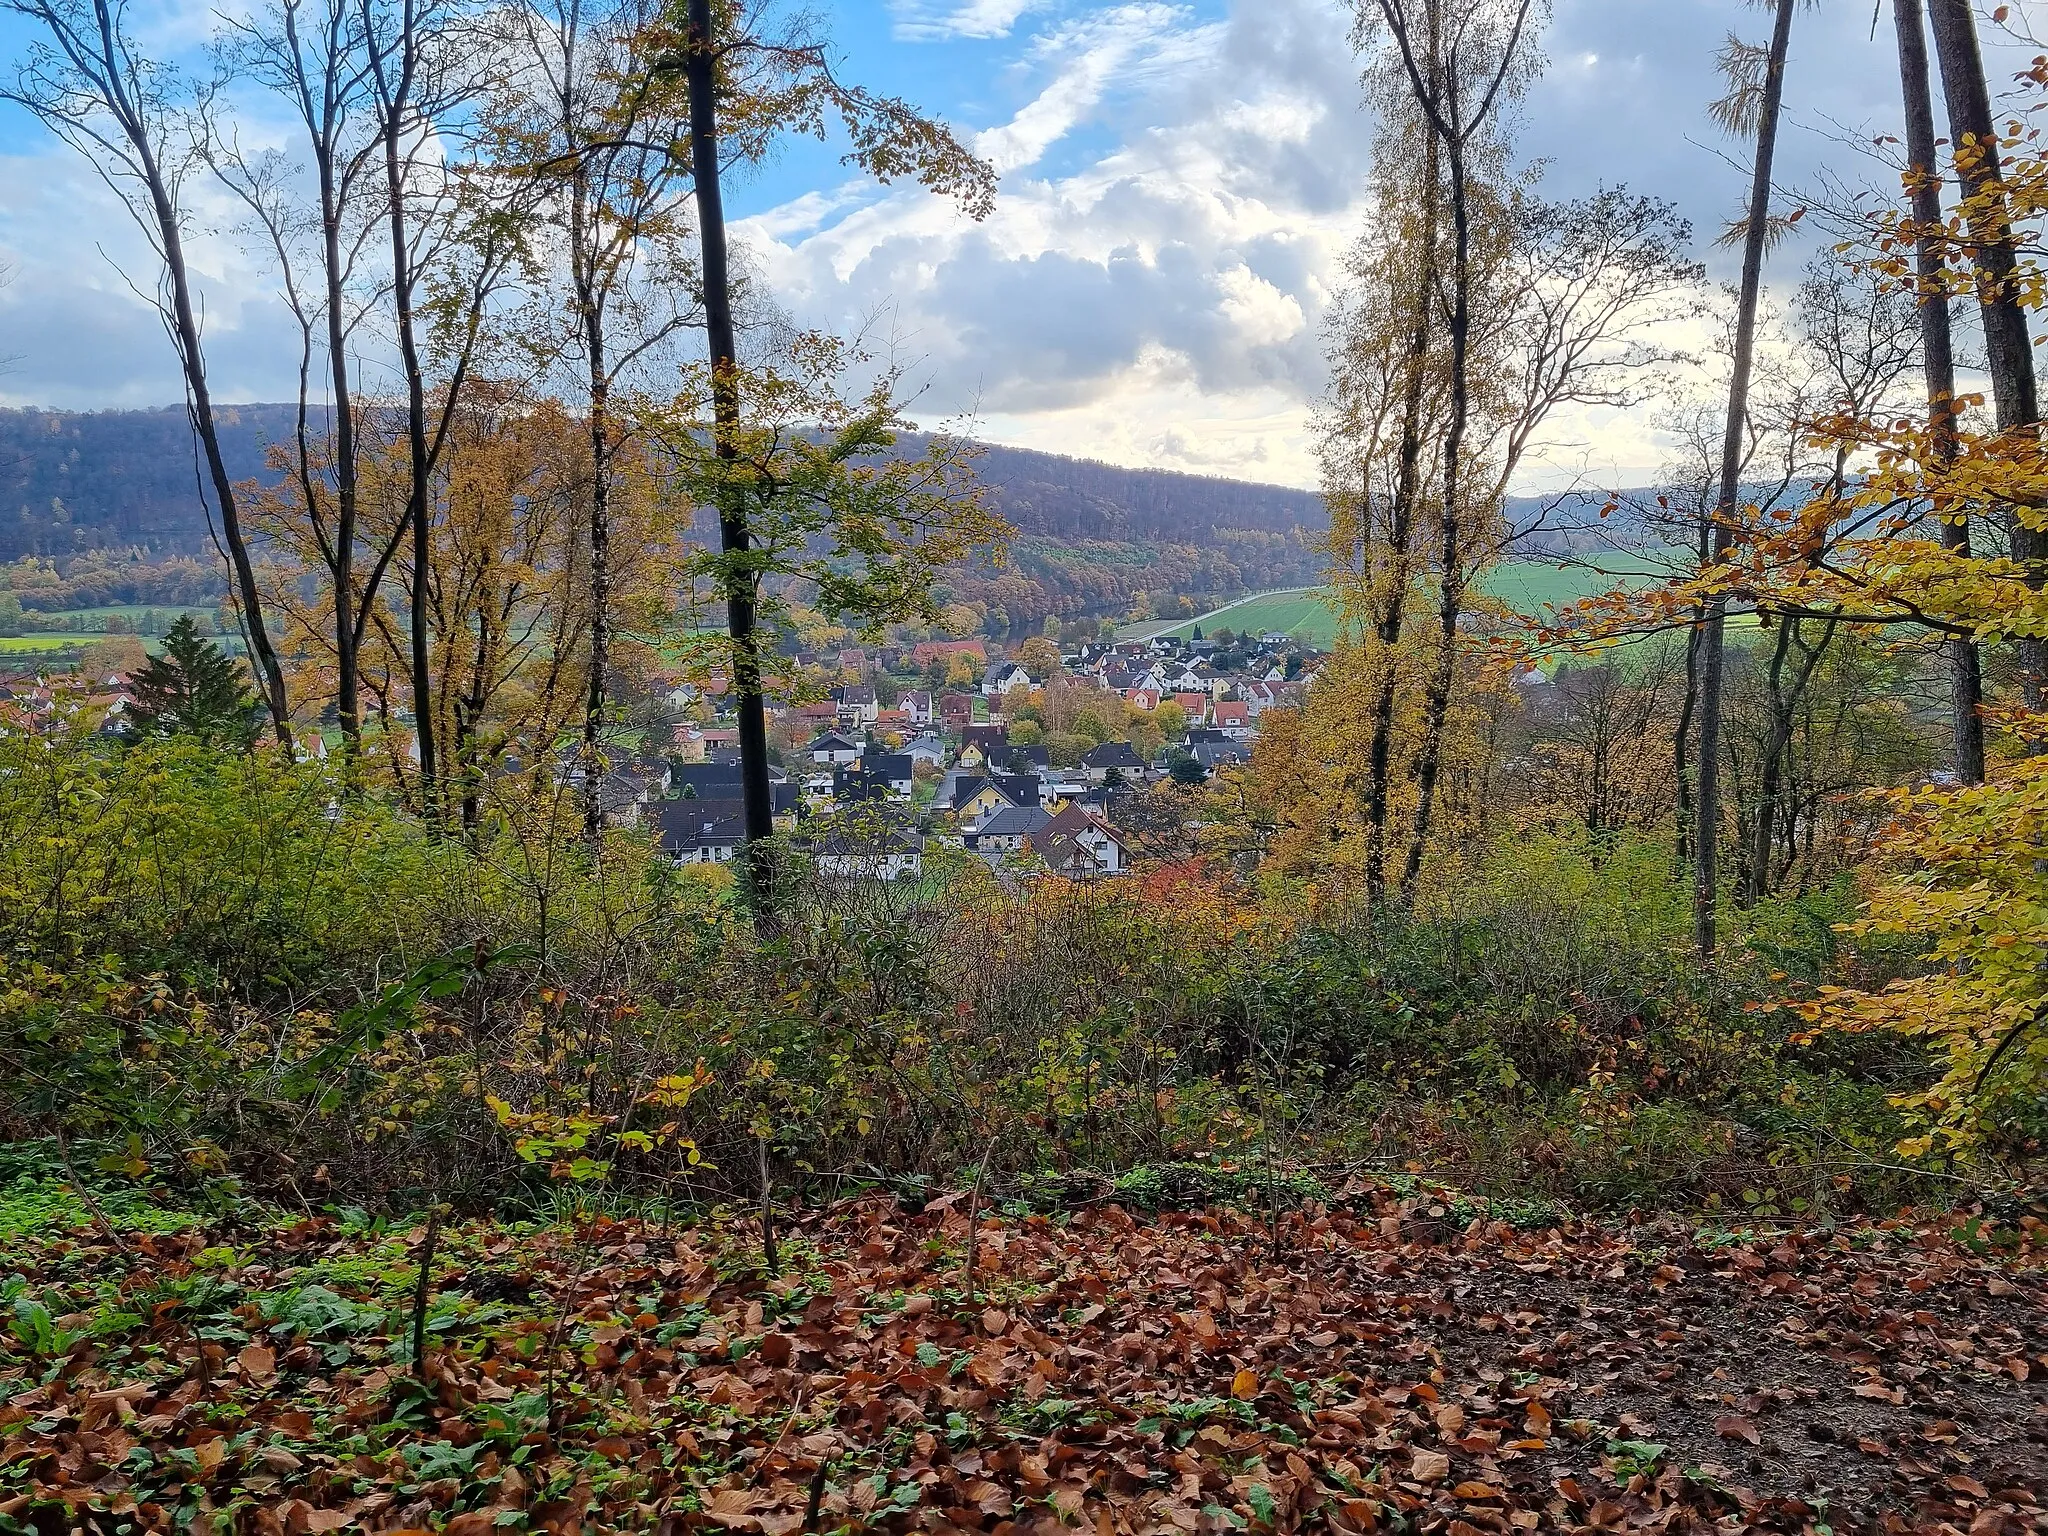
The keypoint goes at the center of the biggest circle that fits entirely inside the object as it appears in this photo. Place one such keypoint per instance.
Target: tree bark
(1436, 703)
(1966, 674)
(394, 98)
(1973, 133)
(1714, 634)
(701, 67)
(1400, 531)
(105, 63)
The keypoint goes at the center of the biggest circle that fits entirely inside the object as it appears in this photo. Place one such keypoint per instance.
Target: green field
(1527, 586)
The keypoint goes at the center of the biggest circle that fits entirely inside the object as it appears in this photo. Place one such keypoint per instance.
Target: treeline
(77, 482)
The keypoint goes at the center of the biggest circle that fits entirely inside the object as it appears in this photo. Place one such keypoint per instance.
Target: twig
(420, 1292)
(768, 1252)
(974, 1217)
(99, 1217)
(817, 1497)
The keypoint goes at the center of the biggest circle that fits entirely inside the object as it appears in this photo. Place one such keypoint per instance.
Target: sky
(1180, 180)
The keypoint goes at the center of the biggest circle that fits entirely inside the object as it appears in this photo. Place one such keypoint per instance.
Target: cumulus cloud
(926, 21)
(1180, 181)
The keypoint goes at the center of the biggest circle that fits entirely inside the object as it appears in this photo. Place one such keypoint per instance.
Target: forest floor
(1378, 1367)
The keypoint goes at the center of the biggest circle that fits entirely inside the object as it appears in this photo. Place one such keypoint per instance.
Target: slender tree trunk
(1400, 532)
(347, 631)
(132, 116)
(1450, 551)
(393, 105)
(748, 697)
(600, 503)
(1681, 746)
(1714, 637)
(1770, 770)
(1974, 133)
(1966, 674)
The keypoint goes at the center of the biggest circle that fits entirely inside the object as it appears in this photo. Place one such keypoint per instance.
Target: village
(1032, 761)
(1037, 761)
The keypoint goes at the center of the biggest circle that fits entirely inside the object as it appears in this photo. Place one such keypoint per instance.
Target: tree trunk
(1966, 675)
(394, 98)
(109, 53)
(592, 318)
(1450, 553)
(1681, 747)
(1401, 518)
(701, 60)
(1714, 636)
(1974, 134)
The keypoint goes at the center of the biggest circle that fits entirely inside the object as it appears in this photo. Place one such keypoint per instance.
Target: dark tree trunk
(105, 58)
(701, 65)
(1436, 702)
(1714, 634)
(1974, 134)
(1400, 531)
(1966, 675)
(394, 101)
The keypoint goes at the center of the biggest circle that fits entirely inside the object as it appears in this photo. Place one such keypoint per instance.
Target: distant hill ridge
(71, 481)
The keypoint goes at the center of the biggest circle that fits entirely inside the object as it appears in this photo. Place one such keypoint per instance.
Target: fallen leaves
(1105, 1375)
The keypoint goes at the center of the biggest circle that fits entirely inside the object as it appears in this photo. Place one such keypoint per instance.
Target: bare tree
(82, 79)
(1923, 184)
(593, 125)
(311, 55)
(1751, 108)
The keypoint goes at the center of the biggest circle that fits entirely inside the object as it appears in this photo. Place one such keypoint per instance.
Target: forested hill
(71, 481)
(74, 481)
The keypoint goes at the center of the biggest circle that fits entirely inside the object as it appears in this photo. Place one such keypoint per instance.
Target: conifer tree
(193, 689)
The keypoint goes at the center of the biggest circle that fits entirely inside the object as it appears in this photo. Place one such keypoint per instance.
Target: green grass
(1529, 587)
(37, 645)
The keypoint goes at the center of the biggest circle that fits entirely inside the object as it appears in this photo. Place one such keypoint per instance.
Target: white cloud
(927, 21)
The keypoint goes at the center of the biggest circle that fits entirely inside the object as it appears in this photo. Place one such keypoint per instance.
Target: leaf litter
(1371, 1367)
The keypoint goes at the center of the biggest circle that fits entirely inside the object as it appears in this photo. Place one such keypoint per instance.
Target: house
(918, 708)
(1194, 705)
(1143, 698)
(892, 722)
(869, 853)
(896, 770)
(1004, 677)
(1077, 845)
(1232, 716)
(858, 706)
(1118, 757)
(985, 739)
(1260, 696)
(925, 652)
(1019, 788)
(833, 750)
(956, 711)
(701, 831)
(975, 799)
(927, 749)
(624, 788)
(1008, 830)
(1033, 760)
(1219, 754)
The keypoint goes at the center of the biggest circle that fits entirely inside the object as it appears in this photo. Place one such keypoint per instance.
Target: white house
(1004, 677)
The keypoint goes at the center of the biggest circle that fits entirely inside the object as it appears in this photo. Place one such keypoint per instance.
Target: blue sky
(1180, 180)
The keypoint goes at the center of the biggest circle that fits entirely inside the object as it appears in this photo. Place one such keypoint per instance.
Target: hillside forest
(649, 945)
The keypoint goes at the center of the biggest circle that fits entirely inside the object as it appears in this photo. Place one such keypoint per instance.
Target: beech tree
(83, 80)
(1756, 78)
(781, 69)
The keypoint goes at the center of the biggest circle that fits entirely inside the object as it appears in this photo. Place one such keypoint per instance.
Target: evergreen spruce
(193, 689)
